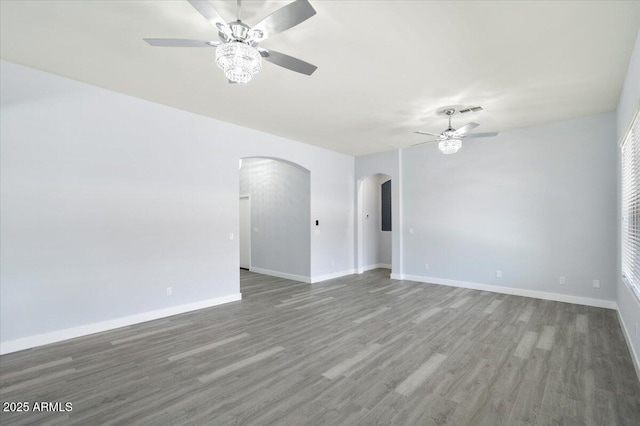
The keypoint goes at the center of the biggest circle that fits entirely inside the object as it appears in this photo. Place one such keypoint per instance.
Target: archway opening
(275, 211)
(374, 223)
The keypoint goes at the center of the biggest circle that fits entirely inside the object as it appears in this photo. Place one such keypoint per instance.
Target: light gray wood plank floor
(362, 349)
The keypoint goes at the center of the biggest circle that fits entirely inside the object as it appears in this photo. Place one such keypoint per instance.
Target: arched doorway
(374, 242)
(275, 214)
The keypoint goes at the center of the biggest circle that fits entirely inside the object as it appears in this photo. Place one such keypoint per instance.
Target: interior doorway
(275, 218)
(374, 223)
(245, 232)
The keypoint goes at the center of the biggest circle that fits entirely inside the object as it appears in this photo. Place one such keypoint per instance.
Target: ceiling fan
(237, 52)
(449, 140)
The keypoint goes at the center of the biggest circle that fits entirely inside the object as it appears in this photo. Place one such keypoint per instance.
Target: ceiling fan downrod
(449, 113)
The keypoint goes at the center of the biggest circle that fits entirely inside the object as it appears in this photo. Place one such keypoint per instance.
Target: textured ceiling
(384, 67)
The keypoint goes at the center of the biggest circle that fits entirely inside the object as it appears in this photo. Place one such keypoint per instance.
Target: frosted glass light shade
(239, 61)
(450, 146)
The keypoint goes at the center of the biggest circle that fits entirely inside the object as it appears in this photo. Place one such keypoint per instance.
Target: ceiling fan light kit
(239, 61)
(450, 146)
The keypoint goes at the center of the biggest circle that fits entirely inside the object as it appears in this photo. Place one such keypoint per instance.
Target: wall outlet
(498, 273)
(231, 236)
(596, 283)
(411, 230)
(169, 291)
(562, 281)
(255, 231)
(426, 266)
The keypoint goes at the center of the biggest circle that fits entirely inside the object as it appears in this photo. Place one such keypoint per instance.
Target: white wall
(384, 249)
(630, 95)
(628, 304)
(536, 203)
(107, 200)
(280, 213)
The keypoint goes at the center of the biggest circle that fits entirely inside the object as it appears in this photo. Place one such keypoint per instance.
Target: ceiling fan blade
(206, 10)
(427, 133)
(289, 62)
(282, 19)
(482, 135)
(466, 128)
(423, 143)
(179, 42)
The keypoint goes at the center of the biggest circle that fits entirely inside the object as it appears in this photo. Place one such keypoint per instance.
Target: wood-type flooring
(362, 350)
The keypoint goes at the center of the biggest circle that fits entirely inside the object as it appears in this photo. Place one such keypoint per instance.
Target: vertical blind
(631, 206)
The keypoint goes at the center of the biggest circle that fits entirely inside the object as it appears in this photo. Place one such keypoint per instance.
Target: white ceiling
(384, 67)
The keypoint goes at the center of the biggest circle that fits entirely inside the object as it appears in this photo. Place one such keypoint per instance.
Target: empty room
(319, 212)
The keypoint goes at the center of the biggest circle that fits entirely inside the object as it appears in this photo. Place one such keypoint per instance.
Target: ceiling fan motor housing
(239, 32)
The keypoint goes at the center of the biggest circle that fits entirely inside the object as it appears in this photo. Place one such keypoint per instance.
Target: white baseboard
(97, 327)
(374, 266)
(301, 278)
(598, 303)
(396, 276)
(332, 276)
(627, 336)
(279, 274)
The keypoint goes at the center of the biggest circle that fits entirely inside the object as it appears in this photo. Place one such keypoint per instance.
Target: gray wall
(107, 200)
(280, 212)
(536, 203)
(628, 304)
